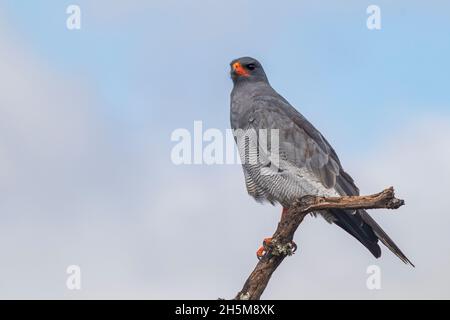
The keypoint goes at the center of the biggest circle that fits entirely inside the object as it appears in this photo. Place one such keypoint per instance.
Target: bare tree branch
(282, 245)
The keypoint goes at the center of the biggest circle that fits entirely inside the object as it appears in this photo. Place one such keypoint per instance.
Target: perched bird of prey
(304, 164)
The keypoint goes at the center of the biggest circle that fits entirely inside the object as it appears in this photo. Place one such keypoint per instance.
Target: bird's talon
(286, 249)
(261, 252)
(267, 242)
(294, 247)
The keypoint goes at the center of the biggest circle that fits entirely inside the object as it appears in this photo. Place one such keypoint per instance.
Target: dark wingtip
(407, 261)
(401, 255)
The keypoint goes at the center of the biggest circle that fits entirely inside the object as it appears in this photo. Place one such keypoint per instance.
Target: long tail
(367, 231)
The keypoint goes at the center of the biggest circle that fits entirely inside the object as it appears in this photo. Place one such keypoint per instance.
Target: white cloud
(45, 117)
(56, 169)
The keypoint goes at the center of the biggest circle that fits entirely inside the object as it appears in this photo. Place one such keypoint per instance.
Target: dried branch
(282, 245)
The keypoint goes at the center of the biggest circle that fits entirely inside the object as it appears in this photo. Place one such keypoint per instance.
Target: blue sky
(89, 113)
(320, 56)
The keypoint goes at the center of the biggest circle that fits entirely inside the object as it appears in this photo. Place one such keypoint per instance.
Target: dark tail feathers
(367, 231)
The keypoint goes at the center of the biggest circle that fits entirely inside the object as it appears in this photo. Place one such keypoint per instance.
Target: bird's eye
(251, 66)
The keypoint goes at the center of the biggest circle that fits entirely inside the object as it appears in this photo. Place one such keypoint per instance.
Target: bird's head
(247, 69)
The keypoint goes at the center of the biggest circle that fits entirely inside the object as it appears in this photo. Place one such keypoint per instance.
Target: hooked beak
(239, 70)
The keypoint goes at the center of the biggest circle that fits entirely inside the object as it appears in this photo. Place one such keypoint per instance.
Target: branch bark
(281, 244)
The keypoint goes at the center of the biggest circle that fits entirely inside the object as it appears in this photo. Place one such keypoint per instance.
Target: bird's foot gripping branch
(273, 247)
(282, 245)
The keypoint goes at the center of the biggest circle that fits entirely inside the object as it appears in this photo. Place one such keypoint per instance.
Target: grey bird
(304, 164)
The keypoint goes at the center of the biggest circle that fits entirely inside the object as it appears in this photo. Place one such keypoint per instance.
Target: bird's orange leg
(261, 252)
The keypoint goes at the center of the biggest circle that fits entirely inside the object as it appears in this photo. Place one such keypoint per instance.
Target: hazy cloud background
(85, 123)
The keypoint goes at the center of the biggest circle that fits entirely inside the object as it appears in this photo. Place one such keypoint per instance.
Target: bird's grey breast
(244, 99)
